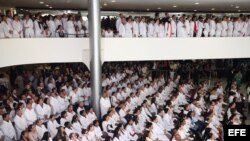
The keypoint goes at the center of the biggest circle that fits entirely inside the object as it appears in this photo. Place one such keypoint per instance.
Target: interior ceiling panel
(136, 5)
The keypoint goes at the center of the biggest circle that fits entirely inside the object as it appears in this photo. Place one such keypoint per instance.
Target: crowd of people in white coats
(53, 103)
(72, 25)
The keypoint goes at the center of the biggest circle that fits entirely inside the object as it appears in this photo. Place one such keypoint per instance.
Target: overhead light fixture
(213, 9)
(21, 9)
(159, 8)
(195, 10)
(148, 9)
(237, 7)
(197, 3)
(47, 5)
(105, 4)
(113, 1)
(174, 6)
(41, 2)
(239, 10)
(50, 7)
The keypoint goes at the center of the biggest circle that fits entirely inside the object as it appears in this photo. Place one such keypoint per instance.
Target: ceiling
(136, 5)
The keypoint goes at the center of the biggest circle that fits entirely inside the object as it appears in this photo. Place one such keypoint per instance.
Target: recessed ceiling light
(213, 9)
(105, 4)
(47, 5)
(50, 7)
(197, 3)
(174, 6)
(148, 9)
(26, 10)
(237, 7)
(113, 1)
(239, 10)
(41, 2)
(21, 9)
(159, 8)
(195, 10)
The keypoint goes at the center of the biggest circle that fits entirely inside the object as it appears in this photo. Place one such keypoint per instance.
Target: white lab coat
(150, 30)
(71, 29)
(206, 30)
(230, 29)
(41, 130)
(52, 28)
(52, 127)
(181, 30)
(128, 30)
(156, 30)
(212, 28)
(135, 29)
(159, 132)
(162, 32)
(109, 34)
(122, 30)
(28, 28)
(84, 121)
(200, 27)
(131, 133)
(1, 31)
(64, 23)
(76, 126)
(105, 104)
(8, 131)
(7, 27)
(30, 116)
(17, 29)
(57, 23)
(38, 29)
(188, 27)
(174, 28)
(41, 111)
(143, 29)
(237, 29)
(224, 29)
(20, 124)
(218, 30)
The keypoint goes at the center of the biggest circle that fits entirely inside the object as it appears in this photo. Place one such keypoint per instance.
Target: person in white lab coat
(119, 21)
(135, 26)
(105, 103)
(200, 25)
(58, 20)
(157, 28)
(128, 28)
(237, 27)
(206, 27)
(142, 28)
(193, 27)
(224, 27)
(71, 27)
(230, 27)
(162, 32)
(181, 28)
(52, 26)
(30, 114)
(38, 27)
(17, 27)
(28, 27)
(8, 129)
(212, 26)
(52, 126)
(151, 28)
(6, 27)
(187, 25)
(40, 128)
(122, 29)
(218, 28)
(20, 122)
(173, 26)
(132, 136)
(41, 110)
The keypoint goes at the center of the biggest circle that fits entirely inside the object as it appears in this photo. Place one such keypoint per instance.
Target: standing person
(206, 27)
(28, 27)
(212, 26)
(218, 28)
(38, 26)
(181, 28)
(6, 27)
(200, 26)
(58, 21)
(122, 29)
(187, 25)
(119, 21)
(237, 27)
(71, 27)
(135, 27)
(230, 27)
(52, 26)
(105, 103)
(17, 27)
(230, 78)
(174, 26)
(143, 28)
(151, 28)
(162, 32)
(156, 28)
(224, 27)
(193, 27)
(128, 28)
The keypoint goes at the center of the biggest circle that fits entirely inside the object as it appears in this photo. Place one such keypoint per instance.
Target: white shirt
(109, 34)
(128, 29)
(122, 30)
(17, 27)
(8, 130)
(52, 127)
(84, 121)
(20, 124)
(135, 29)
(105, 104)
(142, 29)
(41, 111)
(30, 116)
(41, 130)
